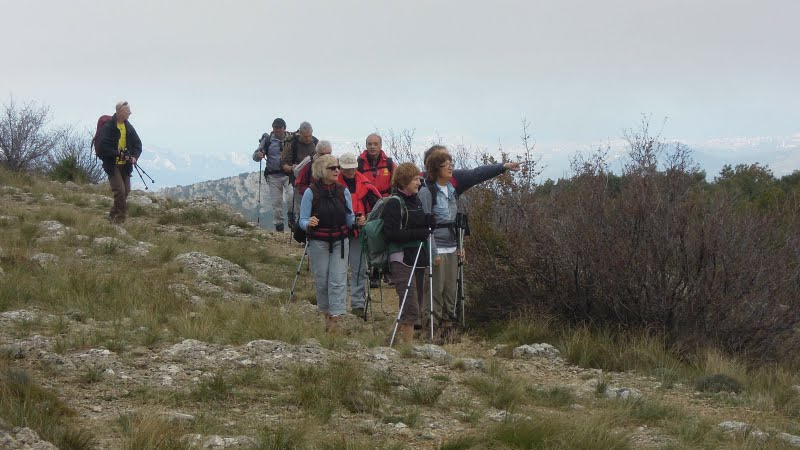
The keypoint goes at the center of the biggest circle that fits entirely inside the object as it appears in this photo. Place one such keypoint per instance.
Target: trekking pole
(460, 280)
(135, 166)
(430, 277)
(145, 173)
(258, 213)
(366, 281)
(408, 286)
(297, 275)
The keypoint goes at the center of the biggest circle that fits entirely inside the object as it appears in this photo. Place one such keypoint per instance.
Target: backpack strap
(434, 192)
(390, 166)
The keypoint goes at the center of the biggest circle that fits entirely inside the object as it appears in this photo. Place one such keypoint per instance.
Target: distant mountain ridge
(240, 192)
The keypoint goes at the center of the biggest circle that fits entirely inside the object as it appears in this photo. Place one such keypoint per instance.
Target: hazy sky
(209, 76)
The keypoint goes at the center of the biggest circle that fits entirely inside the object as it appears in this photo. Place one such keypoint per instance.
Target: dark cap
(279, 123)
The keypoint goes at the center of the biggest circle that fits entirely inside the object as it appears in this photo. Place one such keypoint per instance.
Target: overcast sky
(209, 76)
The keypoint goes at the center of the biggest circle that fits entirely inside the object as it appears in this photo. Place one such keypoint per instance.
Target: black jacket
(406, 229)
(107, 141)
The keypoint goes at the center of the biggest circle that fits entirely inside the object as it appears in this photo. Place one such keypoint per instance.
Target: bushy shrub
(656, 247)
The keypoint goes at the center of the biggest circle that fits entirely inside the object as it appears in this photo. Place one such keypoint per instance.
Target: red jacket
(365, 195)
(381, 174)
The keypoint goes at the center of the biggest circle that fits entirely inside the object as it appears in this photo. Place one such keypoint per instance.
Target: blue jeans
(330, 275)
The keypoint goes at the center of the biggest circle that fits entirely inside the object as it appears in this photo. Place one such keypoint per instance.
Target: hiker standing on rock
(326, 213)
(364, 195)
(406, 227)
(270, 146)
(119, 147)
(439, 196)
(302, 144)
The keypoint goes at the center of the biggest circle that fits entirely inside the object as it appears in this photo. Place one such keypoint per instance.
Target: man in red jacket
(364, 196)
(376, 166)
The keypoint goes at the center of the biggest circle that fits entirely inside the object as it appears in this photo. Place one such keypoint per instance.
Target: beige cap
(348, 161)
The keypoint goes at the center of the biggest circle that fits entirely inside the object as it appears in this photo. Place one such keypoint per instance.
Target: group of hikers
(329, 200)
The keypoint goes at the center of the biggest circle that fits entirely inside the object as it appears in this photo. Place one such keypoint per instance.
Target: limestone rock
(536, 351)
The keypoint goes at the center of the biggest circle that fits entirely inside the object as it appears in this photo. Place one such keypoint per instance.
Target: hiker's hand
(132, 159)
(430, 221)
(462, 255)
(313, 221)
(515, 166)
(361, 220)
(260, 154)
(437, 260)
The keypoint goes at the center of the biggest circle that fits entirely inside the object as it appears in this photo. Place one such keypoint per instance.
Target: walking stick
(430, 277)
(460, 281)
(140, 176)
(138, 167)
(294, 283)
(408, 286)
(258, 212)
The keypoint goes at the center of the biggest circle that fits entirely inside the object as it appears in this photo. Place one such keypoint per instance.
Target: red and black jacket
(378, 172)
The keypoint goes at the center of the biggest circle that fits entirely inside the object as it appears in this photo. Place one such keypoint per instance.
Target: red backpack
(100, 122)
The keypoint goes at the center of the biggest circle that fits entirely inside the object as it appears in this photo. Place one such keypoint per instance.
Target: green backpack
(373, 241)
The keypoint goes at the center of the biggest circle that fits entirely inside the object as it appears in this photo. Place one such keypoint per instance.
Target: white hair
(321, 145)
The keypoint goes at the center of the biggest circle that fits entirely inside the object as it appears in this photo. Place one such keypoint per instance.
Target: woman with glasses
(326, 213)
(443, 185)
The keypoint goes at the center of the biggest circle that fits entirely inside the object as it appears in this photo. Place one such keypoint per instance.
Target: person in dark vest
(326, 213)
(270, 146)
(406, 227)
(119, 147)
(364, 195)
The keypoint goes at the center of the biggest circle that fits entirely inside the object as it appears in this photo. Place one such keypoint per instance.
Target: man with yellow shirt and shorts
(119, 147)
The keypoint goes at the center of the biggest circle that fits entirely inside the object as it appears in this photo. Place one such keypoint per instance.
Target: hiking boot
(374, 283)
(358, 312)
(332, 324)
(279, 227)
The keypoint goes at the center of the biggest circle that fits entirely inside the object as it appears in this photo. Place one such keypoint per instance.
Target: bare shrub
(25, 139)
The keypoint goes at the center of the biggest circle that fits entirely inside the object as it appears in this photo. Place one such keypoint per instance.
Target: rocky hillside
(239, 192)
(175, 331)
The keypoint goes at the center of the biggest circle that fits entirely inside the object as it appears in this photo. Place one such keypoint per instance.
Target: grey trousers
(330, 275)
(445, 276)
(358, 273)
(278, 188)
(120, 188)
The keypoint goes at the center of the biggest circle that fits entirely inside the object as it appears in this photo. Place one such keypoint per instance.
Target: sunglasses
(333, 168)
